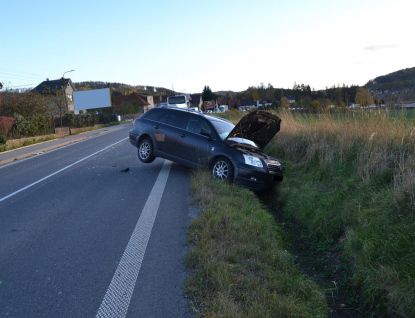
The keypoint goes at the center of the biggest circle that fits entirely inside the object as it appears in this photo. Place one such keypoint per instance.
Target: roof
(247, 102)
(232, 102)
(160, 99)
(49, 87)
(133, 97)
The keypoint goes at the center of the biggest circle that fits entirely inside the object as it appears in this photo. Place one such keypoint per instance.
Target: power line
(16, 72)
(26, 85)
(18, 76)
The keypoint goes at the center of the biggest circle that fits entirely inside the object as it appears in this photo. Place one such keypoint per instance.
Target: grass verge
(239, 260)
(349, 185)
(26, 143)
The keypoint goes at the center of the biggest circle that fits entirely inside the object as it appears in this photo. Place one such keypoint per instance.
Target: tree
(27, 104)
(262, 92)
(285, 102)
(363, 97)
(270, 92)
(207, 94)
(314, 106)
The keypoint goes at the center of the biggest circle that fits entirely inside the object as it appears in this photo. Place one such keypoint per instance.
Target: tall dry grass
(350, 179)
(374, 143)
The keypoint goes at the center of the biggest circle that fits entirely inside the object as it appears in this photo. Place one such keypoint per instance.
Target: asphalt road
(80, 237)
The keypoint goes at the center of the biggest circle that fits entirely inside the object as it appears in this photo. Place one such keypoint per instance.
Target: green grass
(239, 259)
(349, 189)
(350, 183)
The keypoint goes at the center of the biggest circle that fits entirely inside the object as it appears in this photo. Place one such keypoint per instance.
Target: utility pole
(1, 86)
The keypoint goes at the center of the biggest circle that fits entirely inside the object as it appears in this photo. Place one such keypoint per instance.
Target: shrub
(70, 119)
(3, 139)
(6, 125)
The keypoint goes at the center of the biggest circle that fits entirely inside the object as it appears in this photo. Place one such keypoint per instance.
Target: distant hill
(122, 89)
(402, 79)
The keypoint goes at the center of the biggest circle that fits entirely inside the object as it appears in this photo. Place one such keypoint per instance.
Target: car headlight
(253, 161)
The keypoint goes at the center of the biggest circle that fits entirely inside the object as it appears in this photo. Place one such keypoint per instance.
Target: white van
(181, 101)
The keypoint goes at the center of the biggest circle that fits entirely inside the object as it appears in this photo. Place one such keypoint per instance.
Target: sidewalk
(33, 150)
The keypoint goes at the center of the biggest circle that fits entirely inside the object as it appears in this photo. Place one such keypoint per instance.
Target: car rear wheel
(222, 169)
(145, 151)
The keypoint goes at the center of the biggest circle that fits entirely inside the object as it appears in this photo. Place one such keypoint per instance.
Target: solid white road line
(119, 293)
(51, 175)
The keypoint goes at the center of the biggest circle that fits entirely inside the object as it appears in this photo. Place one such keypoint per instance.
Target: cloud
(379, 47)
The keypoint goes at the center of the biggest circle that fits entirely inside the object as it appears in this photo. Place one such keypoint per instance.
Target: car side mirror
(205, 132)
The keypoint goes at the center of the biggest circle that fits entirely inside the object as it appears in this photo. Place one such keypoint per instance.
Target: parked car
(232, 153)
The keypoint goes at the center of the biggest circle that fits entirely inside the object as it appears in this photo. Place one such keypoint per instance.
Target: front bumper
(256, 178)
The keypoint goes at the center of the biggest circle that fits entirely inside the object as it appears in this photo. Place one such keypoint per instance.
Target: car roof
(196, 112)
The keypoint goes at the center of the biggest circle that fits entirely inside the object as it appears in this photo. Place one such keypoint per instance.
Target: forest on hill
(118, 89)
(402, 79)
(399, 85)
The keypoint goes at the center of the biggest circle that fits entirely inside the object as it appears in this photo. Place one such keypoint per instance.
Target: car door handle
(156, 127)
(182, 135)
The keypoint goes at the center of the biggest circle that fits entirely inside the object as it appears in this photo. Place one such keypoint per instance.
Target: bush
(70, 119)
(6, 125)
(107, 118)
(3, 139)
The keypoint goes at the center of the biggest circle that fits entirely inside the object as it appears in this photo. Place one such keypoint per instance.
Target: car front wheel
(222, 169)
(145, 151)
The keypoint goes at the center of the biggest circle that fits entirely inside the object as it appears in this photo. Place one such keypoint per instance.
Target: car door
(169, 130)
(193, 147)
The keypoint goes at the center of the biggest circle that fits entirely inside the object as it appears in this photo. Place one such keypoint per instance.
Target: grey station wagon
(232, 152)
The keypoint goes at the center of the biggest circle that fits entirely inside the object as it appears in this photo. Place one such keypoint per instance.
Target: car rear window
(155, 114)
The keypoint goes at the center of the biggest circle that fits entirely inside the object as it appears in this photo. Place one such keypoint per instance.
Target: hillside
(402, 79)
(122, 89)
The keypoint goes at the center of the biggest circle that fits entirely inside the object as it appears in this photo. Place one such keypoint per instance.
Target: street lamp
(67, 72)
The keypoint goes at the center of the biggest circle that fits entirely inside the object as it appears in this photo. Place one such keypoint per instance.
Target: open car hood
(258, 126)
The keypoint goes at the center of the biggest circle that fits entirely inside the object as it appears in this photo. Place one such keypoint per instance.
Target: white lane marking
(56, 172)
(118, 296)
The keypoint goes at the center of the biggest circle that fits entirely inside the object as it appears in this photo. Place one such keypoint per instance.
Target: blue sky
(185, 45)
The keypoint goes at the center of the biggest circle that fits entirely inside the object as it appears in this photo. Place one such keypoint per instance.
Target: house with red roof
(132, 101)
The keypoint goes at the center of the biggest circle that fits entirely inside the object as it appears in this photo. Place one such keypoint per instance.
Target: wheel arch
(213, 159)
(143, 137)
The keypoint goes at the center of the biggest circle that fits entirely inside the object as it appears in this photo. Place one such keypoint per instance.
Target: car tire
(145, 151)
(222, 169)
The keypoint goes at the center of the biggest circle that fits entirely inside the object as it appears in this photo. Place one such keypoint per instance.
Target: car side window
(155, 114)
(175, 118)
(195, 124)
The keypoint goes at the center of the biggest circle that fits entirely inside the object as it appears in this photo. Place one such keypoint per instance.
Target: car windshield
(222, 127)
(177, 100)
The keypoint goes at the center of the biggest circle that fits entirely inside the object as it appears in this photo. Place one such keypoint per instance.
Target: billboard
(209, 104)
(95, 98)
